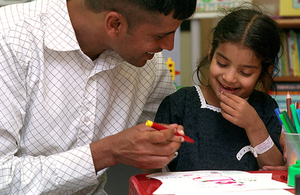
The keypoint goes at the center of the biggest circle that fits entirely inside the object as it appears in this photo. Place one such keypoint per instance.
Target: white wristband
(259, 149)
(265, 146)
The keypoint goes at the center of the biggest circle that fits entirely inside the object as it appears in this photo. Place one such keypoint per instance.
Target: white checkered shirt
(55, 101)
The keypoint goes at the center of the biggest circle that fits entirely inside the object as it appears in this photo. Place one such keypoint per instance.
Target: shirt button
(86, 119)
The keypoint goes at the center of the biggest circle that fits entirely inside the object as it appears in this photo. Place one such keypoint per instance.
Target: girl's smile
(223, 87)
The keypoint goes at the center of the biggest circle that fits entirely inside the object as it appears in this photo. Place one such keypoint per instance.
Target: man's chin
(139, 64)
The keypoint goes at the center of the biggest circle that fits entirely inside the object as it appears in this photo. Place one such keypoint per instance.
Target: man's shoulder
(27, 14)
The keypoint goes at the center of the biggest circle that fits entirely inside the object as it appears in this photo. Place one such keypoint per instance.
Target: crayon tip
(288, 95)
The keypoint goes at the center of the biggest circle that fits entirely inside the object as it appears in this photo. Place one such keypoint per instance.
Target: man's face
(138, 45)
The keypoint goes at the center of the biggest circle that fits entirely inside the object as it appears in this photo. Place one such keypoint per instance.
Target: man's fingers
(164, 135)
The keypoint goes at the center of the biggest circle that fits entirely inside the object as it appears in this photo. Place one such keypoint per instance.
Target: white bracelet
(259, 149)
(265, 146)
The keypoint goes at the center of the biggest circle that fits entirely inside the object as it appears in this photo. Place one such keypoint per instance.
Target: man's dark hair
(137, 11)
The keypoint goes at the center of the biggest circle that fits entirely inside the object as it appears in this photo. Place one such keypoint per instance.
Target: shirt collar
(60, 34)
(108, 60)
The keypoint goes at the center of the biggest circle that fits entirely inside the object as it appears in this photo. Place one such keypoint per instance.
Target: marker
(287, 128)
(289, 122)
(288, 105)
(298, 113)
(295, 117)
(160, 127)
(277, 111)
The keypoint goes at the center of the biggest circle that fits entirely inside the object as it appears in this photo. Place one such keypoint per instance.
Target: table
(142, 185)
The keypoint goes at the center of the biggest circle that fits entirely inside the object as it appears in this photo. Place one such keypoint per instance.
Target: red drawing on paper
(218, 179)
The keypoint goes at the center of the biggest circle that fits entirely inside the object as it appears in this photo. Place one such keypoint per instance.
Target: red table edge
(142, 185)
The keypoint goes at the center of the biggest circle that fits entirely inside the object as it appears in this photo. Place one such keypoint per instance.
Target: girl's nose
(230, 76)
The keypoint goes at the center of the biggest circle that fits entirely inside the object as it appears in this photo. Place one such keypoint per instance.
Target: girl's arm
(283, 147)
(238, 111)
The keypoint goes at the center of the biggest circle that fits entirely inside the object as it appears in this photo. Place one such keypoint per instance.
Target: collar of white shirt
(60, 35)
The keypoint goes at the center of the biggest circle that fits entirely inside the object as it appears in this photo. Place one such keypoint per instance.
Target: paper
(218, 182)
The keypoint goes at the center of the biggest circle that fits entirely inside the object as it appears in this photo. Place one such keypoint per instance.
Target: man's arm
(20, 171)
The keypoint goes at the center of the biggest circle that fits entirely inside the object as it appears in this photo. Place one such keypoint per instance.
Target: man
(77, 76)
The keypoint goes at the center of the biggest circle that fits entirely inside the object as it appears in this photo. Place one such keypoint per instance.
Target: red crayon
(160, 127)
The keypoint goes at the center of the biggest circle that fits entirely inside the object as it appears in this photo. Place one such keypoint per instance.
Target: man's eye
(160, 36)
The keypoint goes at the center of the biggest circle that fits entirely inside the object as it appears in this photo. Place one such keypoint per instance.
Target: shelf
(287, 79)
(288, 22)
(203, 15)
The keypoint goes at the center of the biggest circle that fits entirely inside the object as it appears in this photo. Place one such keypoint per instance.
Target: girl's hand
(237, 110)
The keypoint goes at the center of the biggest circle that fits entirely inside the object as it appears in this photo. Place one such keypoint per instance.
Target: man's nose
(168, 42)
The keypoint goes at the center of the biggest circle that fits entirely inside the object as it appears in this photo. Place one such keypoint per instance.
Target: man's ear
(115, 24)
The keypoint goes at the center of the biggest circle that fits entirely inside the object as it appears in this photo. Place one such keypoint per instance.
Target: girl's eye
(220, 64)
(246, 74)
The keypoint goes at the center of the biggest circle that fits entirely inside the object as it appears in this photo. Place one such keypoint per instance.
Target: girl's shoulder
(183, 94)
(262, 101)
(184, 91)
(260, 96)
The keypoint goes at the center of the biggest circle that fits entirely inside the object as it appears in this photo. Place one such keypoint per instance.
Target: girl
(233, 124)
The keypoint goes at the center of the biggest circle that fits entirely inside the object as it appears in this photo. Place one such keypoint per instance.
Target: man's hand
(139, 146)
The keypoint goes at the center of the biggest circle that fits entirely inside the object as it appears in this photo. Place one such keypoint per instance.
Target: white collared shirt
(55, 101)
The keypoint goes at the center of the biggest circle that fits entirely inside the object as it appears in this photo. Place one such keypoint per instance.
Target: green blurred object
(293, 171)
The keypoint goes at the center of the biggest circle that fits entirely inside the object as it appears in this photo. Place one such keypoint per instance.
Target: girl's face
(234, 69)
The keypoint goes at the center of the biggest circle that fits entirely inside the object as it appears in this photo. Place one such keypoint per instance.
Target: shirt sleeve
(52, 174)
(25, 174)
